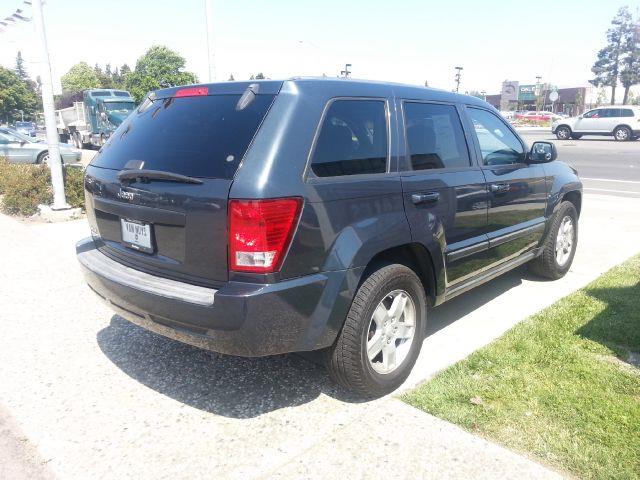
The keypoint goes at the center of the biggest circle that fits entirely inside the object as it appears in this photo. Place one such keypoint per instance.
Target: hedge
(25, 186)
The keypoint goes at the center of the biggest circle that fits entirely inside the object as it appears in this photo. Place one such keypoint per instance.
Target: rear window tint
(352, 140)
(204, 136)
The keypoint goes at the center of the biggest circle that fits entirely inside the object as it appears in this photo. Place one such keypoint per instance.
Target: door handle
(499, 187)
(430, 197)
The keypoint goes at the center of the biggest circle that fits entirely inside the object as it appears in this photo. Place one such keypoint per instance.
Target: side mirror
(22, 143)
(543, 152)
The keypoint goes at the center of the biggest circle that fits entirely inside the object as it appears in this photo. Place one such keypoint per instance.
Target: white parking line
(609, 180)
(612, 191)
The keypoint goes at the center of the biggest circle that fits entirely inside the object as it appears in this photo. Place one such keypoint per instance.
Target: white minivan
(621, 122)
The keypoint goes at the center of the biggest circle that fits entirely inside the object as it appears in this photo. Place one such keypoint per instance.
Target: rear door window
(627, 112)
(352, 139)
(201, 136)
(435, 138)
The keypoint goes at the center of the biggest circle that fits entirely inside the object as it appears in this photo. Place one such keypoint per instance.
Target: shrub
(26, 186)
(74, 186)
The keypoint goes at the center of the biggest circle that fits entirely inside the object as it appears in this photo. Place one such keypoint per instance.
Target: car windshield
(24, 125)
(119, 106)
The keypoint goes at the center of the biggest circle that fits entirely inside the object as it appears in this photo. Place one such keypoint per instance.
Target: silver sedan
(18, 148)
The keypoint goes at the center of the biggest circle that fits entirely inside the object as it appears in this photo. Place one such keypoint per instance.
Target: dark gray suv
(317, 214)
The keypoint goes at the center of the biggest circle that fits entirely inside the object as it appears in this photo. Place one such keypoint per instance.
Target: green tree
(159, 67)
(579, 102)
(20, 70)
(80, 77)
(630, 74)
(15, 95)
(608, 63)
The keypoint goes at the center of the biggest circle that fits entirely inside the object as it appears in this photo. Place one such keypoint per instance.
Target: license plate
(136, 235)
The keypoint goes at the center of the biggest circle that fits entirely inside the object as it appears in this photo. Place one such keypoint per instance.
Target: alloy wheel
(391, 332)
(564, 241)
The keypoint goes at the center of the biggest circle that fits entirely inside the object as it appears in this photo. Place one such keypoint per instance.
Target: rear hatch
(157, 192)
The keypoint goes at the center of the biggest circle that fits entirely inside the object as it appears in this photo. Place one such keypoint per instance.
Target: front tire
(559, 247)
(382, 334)
(622, 134)
(563, 133)
(43, 158)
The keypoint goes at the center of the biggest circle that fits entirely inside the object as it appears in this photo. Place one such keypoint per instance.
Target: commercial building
(517, 96)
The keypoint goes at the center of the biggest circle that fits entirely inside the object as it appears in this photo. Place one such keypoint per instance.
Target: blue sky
(407, 41)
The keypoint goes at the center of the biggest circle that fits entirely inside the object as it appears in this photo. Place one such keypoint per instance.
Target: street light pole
(458, 75)
(538, 79)
(59, 201)
(210, 55)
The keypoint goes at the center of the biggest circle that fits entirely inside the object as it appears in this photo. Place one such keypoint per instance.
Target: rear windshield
(204, 136)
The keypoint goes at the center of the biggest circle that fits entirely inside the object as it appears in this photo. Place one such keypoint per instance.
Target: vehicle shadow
(247, 387)
(221, 384)
(456, 308)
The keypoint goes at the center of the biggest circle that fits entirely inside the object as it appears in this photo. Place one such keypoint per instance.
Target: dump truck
(90, 123)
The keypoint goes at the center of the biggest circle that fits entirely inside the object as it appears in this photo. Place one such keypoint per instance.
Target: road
(606, 167)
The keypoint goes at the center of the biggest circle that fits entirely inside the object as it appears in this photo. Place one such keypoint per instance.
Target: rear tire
(622, 134)
(374, 354)
(559, 247)
(563, 133)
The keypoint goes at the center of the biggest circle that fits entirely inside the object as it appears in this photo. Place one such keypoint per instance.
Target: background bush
(24, 187)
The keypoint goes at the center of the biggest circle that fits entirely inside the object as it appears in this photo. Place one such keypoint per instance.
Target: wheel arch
(575, 197)
(414, 256)
(622, 125)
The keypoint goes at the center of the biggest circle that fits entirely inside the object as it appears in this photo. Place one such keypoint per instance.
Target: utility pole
(457, 78)
(346, 72)
(538, 79)
(59, 200)
(209, 15)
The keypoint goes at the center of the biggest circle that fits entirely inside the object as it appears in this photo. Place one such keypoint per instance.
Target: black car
(258, 218)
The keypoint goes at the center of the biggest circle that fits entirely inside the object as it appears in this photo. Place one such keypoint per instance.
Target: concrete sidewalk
(100, 398)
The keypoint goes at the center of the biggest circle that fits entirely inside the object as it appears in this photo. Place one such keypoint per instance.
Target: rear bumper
(244, 319)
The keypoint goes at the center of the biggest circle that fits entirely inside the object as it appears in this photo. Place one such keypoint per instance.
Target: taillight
(260, 232)
(191, 92)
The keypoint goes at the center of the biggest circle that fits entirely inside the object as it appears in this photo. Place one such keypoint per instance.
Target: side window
(352, 139)
(435, 138)
(592, 114)
(627, 112)
(498, 144)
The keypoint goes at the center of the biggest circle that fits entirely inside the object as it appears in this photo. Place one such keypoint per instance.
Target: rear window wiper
(144, 176)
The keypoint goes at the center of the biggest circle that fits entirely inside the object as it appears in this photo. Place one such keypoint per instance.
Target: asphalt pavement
(606, 167)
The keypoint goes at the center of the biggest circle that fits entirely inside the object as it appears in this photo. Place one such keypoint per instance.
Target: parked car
(19, 148)
(317, 214)
(623, 123)
(537, 116)
(26, 128)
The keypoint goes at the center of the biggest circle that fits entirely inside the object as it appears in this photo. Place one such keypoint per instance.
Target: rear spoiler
(265, 87)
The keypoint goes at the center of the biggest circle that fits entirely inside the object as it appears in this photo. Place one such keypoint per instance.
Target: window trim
(309, 176)
(476, 140)
(407, 156)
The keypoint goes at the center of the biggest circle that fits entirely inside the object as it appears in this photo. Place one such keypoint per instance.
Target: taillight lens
(260, 232)
(191, 92)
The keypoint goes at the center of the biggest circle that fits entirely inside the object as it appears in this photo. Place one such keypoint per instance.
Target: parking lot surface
(85, 394)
